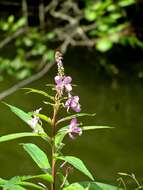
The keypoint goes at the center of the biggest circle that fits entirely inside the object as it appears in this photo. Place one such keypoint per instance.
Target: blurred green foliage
(112, 23)
(98, 24)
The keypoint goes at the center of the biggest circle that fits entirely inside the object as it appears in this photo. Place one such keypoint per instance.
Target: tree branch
(26, 81)
(12, 37)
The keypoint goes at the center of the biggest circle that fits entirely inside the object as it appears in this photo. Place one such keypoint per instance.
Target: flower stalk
(55, 111)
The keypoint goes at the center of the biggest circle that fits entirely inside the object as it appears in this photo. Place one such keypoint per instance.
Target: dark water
(105, 152)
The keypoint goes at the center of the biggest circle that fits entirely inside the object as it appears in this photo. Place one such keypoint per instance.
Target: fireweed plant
(55, 168)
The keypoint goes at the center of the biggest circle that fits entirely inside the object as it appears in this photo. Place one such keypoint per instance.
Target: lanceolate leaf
(32, 90)
(37, 155)
(17, 182)
(12, 184)
(75, 115)
(44, 117)
(74, 186)
(95, 127)
(108, 186)
(46, 177)
(60, 136)
(99, 186)
(16, 136)
(29, 184)
(24, 116)
(77, 163)
(88, 185)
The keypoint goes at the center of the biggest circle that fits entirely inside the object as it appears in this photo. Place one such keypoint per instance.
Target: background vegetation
(30, 32)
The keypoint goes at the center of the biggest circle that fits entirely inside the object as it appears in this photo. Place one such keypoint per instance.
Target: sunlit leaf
(44, 117)
(29, 184)
(12, 184)
(104, 44)
(124, 3)
(25, 117)
(20, 23)
(88, 185)
(75, 115)
(10, 19)
(32, 90)
(77, 163)
(74, 186)
(90, 15)
(37, 155)
(14, 187)
(17, 183)
(60, 136)
(17, 136)
(46, 177)
(95, 127)
(104, 186)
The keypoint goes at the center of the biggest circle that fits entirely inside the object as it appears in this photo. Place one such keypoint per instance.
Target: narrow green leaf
(75, 115)
(98, 186)
(108, 186)
(24, 116)
(32, 90)
(12, 184)
(83, 186)
(14, 180)
(48, 103)
(77, 163)
(60, 136)
(17, 181)
(37, 155)
(20, 113)
(29, 184)
(74, 186)
(17, 136)
(88, 185)
(46, 177)
(85, 128)
(44, 117)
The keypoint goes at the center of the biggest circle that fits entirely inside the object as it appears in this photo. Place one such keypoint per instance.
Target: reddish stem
(53, 186)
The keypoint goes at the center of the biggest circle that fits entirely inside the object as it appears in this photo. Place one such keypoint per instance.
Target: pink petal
(77, 108)
(68, 87)
(67, 80)
(73, 104)
(58, 79)
(76, 98)
(73, 122)
(67, 103)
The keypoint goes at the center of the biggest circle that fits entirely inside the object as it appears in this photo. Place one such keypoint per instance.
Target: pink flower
(63, 82)
(73, 102)
(73, 129)
(34, 121)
